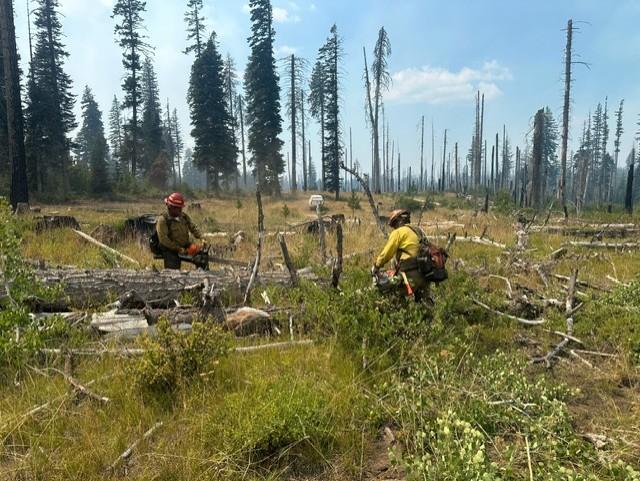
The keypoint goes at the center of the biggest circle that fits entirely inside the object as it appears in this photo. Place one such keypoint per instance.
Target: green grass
(453, 383)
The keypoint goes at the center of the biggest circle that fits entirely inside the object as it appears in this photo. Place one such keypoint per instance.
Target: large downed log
(597, 232)
(607, 245)
(100, 286)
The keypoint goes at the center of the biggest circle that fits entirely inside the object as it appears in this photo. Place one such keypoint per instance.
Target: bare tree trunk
(244, 157)
(422, 157)
(19, 190)
(293, 176)
(457, 169)
(256, 264)
(304, 144)
(628, 198)
(565, 120)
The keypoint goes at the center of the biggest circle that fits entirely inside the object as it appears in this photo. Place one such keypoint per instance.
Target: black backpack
(431, 259)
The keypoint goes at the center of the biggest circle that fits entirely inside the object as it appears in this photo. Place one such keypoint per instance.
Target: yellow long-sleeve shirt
(402, 239)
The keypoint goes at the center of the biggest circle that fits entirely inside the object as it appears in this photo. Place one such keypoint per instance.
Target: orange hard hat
(193, 249)
(175, 200)
(398, 214)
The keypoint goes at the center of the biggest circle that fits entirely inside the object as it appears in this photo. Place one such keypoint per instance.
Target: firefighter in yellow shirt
(403, 245)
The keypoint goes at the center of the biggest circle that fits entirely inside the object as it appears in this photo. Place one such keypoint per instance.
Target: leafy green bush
(172, 358)
(503, 203)
(461, 417)
(409, 203)
(20, 336)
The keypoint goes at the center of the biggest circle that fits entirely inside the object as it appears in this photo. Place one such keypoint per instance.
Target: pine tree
(230, 87)
(49, 104)
(332, 52)
(92, 144)
(195, 27)
(116, 138)
(215, 151)
(317, 99)
(4, 139)
(132, 41)
(151, 137)
(263, 100)
(18, 186)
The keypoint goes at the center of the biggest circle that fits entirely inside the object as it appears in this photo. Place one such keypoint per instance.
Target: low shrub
(173, 358)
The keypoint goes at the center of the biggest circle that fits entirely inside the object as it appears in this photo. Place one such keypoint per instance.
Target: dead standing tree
(536, 182)
(19, 192)
(256, 264)
(381, 81)
(365, 187)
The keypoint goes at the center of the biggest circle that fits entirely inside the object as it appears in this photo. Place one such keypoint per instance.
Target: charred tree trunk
(422, 157)
(565, 121)
(628, 198)
(19, 191)
(304, 144)
(535, 192)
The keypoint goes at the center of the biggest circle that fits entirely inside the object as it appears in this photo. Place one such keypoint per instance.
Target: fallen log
(93, 287)
(93, 241)
(130, 352)
(606, 245)
(474, 239)
(528, 322)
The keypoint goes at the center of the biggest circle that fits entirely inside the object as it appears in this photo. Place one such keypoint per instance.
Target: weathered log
(99, 286)
(90, 239)
(474, 239)
(606, 245)
(528, 322)
(247, 320)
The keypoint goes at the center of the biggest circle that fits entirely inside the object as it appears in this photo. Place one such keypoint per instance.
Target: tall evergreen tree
(332, 52)
(18, 188)
(215, 150)
(49, 104)
(195, 27)
(92, 145)
(116, 139)
(317, 99)
(628, 197)
(230, 88)
(4, 139)
(263, 100)
(169, 145)
(151, 134)
(133, 44)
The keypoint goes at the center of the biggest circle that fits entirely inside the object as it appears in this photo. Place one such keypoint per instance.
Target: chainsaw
(198, 257)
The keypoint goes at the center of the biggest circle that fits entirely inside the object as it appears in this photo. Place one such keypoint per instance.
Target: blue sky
(442, 53)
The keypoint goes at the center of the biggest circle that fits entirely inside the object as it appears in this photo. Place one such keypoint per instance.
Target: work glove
(182, 251)
(374, 271)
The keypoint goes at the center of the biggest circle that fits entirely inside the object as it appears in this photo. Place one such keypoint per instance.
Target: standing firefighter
(418, 263)
(174, 228)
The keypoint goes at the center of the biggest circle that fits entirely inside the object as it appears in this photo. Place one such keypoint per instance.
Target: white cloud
(282, 15)
(436, 85)
(285, 51)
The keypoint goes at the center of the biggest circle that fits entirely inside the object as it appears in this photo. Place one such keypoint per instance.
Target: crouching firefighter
(418, 262)
(172, 239)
